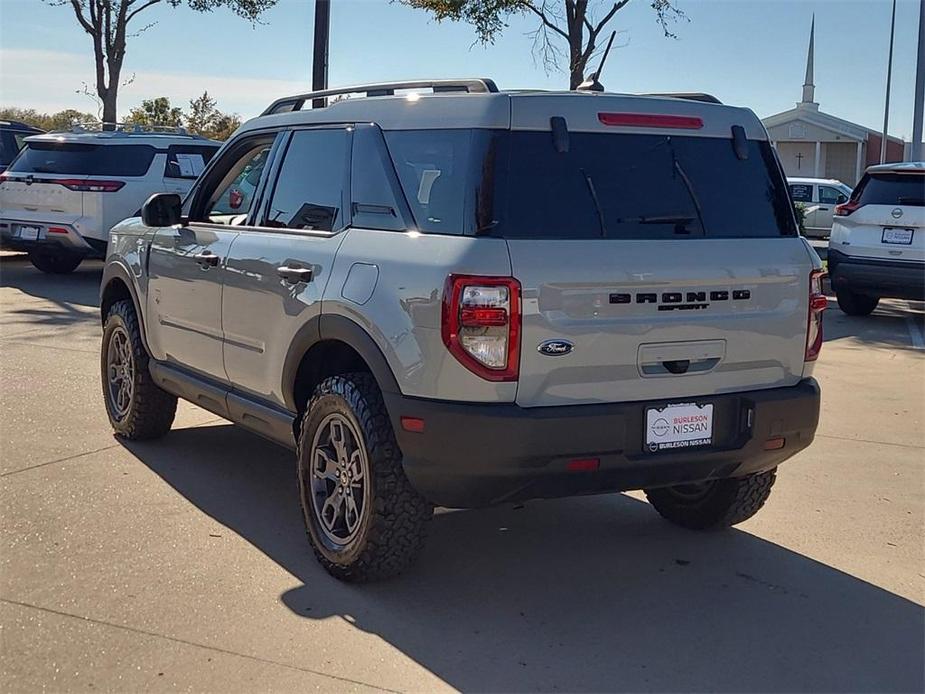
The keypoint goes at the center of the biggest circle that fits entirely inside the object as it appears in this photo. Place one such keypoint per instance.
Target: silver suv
(471, 297)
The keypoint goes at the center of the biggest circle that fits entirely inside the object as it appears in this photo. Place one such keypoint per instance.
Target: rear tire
(713, 505)
(856, 304)
(137, 408)
(55, 262)
(364, 520)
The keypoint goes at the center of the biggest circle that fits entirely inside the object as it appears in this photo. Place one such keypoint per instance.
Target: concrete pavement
(182, 563)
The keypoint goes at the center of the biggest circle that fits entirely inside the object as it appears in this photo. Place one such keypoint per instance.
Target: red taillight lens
(88, 186)
(651, 120)
(481, 324)
(846, 208)
(817, 304)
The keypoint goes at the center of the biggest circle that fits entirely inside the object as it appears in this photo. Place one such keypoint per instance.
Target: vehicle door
(829, 197)
(278, 268)
(187, 264)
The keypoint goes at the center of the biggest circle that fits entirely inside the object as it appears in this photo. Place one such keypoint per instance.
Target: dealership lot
(182, 563)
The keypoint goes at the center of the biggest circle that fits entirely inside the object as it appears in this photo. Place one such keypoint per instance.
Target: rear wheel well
(115, 291)
(322, 360)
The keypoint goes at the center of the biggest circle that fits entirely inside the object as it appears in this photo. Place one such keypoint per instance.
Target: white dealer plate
(684, 425)
(902, 237)
(29, 233)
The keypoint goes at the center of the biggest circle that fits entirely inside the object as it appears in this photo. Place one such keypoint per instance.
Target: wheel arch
(117, 285)
(325, 346)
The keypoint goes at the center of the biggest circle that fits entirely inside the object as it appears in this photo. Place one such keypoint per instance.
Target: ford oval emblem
(555, 348)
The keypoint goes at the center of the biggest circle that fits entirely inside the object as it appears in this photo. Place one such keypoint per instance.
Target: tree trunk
(109, 105)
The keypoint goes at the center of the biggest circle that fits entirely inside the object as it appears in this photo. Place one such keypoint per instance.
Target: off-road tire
(55, 263)
(725, 503)
(856, 304)
(151, 410)
(395, 520)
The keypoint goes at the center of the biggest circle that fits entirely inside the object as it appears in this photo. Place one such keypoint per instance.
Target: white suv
(877, 247)
(65, 190)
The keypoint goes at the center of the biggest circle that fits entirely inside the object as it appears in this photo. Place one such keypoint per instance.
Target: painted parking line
(915, 334)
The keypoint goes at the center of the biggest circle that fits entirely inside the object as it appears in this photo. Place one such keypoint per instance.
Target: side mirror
(161, 210)
(842, 198)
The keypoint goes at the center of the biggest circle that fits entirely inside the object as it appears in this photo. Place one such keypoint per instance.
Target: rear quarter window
(187, 161)
(85, 159)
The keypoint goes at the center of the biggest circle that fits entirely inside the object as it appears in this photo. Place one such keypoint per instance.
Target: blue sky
(746, 52)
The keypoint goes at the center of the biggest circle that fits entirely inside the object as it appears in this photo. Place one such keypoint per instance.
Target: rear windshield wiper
(597, 202)
(687, 184)
(909, 200)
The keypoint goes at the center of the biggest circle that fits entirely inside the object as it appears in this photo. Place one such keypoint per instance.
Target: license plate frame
(679, 426)
(897, 236)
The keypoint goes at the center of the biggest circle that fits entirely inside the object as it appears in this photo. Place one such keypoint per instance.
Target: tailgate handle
(679, 358)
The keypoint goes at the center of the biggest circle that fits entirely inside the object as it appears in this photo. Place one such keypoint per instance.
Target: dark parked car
(12, 136)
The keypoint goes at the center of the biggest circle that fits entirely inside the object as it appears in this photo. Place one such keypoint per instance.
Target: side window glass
(232, 199)
(187, 161)
(801, 193)
(371, 184)
(309, 189)
(828, 196)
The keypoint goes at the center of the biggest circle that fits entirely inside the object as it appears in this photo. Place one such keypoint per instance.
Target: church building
(815, 144)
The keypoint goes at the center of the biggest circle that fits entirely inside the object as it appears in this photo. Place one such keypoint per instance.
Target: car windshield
(518, 184)
(85, 159)
(892, 189)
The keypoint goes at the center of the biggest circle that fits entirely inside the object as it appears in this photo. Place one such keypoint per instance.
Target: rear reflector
(412, 424)
(57, 230)
(775, 443)
(583, 465)
(651, 120)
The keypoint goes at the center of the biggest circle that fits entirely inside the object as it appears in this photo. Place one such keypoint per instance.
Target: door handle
(294, 275)
(207, 259)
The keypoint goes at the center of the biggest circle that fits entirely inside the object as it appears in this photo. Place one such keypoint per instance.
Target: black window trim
(404, 212)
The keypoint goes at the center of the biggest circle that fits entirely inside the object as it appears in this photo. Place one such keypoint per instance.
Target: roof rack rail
(127, 129)
(297, 101)
(690, 96)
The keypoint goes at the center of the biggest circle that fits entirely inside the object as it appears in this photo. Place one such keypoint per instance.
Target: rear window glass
(79, 158)
(187, 161)
(891, 189)
(517, 185)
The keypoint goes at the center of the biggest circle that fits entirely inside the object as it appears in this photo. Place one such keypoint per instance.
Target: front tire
(364, 520)
(55, 262)
(856, 304)
(137, 408)
(713, 505)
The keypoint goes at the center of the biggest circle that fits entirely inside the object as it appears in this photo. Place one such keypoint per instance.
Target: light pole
(918, 103)
(320, 53)
(889, 75)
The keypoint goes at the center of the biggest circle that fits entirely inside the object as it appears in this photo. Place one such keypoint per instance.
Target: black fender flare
(334, 327)
(116, 270)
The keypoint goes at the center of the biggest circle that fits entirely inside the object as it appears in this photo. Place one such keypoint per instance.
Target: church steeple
(809, 89)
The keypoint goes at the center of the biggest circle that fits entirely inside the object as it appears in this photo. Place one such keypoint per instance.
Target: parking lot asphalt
(182, 563)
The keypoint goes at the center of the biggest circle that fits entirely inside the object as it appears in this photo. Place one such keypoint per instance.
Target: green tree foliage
(578, 23)
(156, 111)
(47, 121)
(110, 24)
(204, 118)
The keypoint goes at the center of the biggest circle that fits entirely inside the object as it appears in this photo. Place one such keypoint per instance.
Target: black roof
(17, 125)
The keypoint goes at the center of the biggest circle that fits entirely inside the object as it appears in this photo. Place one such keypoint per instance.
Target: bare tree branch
(528, 5)
(139, 9)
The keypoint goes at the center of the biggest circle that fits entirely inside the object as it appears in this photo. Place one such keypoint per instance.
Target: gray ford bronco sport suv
(466, 297)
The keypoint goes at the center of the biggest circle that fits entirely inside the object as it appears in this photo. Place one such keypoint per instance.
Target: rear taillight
(481, 324)
(817, 304)
(88, 186)
(846, 208)
(651, 120)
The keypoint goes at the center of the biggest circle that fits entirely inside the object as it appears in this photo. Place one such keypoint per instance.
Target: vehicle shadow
(68, 296)
(592, 594)
(888, 326)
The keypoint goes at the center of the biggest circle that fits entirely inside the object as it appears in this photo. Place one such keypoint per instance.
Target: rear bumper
(874, 277)
(69, 240)
(479, 454)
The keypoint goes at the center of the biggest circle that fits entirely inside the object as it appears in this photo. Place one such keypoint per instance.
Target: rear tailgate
(736, 310)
